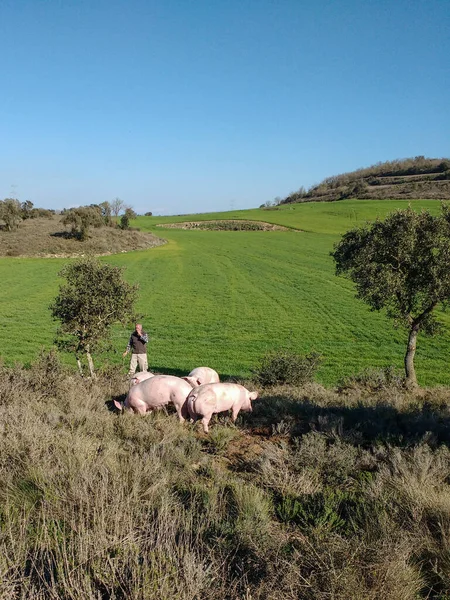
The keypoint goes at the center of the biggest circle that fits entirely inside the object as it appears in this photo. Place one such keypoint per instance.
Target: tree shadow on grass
(358, 425)
(66, 235)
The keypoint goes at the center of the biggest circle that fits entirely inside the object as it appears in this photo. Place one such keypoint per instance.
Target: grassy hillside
(417, 177)
(224, 298)
(316, 217)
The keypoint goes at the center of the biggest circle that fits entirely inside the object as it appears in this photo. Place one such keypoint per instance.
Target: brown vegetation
(48, 237)
(317, 494)
(417, 177)
(226, 225)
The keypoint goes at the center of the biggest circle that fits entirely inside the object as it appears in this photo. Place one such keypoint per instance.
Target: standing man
(137, 345)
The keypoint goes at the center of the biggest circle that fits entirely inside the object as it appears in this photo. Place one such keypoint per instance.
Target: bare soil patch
(47, 237)
(227, 225)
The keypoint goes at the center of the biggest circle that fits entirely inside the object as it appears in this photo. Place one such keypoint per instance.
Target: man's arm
(144, 337)
(130, 341)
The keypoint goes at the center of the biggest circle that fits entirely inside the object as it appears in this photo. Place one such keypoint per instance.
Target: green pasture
(224, 298)
(312, 217)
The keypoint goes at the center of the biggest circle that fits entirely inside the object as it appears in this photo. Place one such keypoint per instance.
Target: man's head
(138, 327)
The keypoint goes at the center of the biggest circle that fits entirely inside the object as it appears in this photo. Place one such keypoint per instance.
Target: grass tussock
(317, 494)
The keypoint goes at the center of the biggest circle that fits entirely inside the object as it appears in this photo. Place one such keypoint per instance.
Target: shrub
(48, 374)
(319, 510)
(46, 213)
(373, 380)
(81, 219)
(219, 438)
(124, 222)
(11, 213)
(286, 367)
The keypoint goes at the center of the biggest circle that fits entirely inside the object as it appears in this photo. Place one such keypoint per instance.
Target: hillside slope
(47, 237)
(417, 177)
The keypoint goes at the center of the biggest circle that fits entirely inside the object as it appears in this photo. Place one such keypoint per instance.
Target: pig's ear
(189, 380)
(253, 395)
(118, 405)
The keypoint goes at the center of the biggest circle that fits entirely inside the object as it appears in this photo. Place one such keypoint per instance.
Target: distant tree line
(270, 204)
(13, 212)
(84, 218)
(417, 177)
(80, 220)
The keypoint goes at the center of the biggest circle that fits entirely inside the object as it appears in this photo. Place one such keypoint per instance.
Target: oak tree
(81, 220)
(402, 265)
(94, 297)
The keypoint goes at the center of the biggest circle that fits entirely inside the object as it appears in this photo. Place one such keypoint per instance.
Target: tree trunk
(90, 363)
(411, 379)
(80, 368)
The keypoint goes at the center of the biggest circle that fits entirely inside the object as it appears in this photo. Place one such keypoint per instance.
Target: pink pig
(202, 375)
(205, 400)
(156, 392)
(139, 377)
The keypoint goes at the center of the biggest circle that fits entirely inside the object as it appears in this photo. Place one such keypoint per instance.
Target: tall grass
(315, 495)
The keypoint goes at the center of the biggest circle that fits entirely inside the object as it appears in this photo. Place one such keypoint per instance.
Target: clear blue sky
(180, 106)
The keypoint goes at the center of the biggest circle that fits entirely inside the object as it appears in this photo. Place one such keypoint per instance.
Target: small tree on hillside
(124, 221)
(106, 211)
(81, 220)
(401, 264)
(117, 205)
(27, 209)
(11, 213)
(126, 217)
(130, 212)
(94, 297)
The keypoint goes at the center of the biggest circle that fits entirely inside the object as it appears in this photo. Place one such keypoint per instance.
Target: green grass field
(223, 299)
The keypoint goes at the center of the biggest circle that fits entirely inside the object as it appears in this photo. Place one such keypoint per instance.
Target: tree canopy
(401, 265)
(11, 213)
(117, 205)
(81, 219)
(94, 297)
